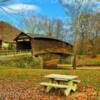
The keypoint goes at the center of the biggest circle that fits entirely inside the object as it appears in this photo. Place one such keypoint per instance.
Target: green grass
(87, 77)
(91, 62)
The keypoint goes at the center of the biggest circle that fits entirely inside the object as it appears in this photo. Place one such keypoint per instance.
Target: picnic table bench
(67, 83)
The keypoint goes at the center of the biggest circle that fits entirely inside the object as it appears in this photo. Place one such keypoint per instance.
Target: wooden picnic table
(61, 77)
(66, 82)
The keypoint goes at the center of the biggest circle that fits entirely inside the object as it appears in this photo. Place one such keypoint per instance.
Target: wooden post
(41, 61)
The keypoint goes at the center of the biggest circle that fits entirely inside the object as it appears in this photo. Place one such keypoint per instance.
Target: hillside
(8, 32)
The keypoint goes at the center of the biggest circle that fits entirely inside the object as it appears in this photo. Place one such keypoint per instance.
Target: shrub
(22, 61)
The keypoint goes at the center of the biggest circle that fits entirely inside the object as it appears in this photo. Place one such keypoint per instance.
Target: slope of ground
(7, 32)
(88, 60)
(23, 84)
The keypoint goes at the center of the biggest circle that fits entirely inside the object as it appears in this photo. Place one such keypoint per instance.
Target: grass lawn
(87, 60)
(91, 62)
(23, 84)
(88, 77)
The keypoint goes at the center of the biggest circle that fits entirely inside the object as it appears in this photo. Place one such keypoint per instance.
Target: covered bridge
(49, 49)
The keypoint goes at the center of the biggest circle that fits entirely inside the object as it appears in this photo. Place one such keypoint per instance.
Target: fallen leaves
(26, 90)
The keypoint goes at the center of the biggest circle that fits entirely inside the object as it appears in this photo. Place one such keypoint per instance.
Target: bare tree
(74, 10)
(49, 25)
(91, 30)
(37, 25)
(29, 24)
(2, 2)
(57, 28)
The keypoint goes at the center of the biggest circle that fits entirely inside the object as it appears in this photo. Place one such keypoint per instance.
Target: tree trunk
(74, 62)
(75, 51)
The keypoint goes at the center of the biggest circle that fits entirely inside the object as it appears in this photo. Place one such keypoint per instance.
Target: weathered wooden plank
(64, 77)
(66, 88)
(53, 85)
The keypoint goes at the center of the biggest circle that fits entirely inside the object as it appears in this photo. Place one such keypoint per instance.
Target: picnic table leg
(48, 88)
(67, 91)
(74, 87)
(71, 87)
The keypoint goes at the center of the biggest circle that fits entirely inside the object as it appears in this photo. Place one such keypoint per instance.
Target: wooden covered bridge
(51, 51)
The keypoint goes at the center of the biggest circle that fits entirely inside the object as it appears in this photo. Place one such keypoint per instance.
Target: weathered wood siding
(51, 51)
(47, 51)
(43, 45)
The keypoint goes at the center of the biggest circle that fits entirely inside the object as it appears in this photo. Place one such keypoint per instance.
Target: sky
(49, 8)
(14, 11)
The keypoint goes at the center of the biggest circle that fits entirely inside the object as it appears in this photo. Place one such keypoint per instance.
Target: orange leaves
(28, 91)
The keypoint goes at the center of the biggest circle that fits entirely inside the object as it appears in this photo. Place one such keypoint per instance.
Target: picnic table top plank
(61, 77)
